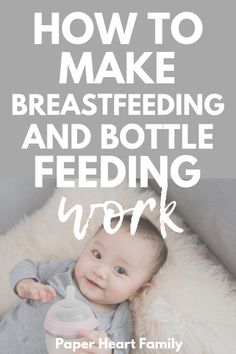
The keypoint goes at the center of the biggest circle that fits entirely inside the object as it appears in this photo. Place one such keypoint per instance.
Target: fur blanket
(191, 299)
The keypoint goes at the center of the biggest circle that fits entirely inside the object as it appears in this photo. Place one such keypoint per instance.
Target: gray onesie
(21, 329)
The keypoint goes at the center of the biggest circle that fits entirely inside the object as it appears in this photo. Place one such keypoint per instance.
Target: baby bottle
(64, 320)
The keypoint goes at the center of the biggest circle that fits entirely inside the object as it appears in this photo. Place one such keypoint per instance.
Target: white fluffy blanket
(191, 298)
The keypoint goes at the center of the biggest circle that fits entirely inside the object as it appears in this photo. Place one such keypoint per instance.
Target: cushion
(191, 298)
(213, 202)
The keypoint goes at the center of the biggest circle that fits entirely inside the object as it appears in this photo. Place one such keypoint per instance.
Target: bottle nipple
(70, 293)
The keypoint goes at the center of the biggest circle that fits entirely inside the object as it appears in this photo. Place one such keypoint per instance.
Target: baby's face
(113, 267)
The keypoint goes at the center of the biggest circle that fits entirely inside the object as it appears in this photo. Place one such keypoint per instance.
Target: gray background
(205, 67)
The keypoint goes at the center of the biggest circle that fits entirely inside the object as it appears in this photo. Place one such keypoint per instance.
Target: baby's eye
(96, 254)
(120, 270)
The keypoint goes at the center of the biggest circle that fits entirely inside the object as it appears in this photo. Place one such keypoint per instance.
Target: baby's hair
(150, 232)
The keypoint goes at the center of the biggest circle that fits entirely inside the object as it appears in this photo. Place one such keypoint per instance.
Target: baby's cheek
(123, 288)
(78, 272)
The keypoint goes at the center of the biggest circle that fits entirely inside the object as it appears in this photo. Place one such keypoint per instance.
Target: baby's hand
(30, 289)
(93, 336)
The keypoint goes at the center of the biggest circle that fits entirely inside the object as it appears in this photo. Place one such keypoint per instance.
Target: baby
(111, 270)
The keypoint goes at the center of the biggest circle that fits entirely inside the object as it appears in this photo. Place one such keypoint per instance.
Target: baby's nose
(102, 271)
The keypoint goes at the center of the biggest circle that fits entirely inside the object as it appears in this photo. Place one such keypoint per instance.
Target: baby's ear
(142, 290)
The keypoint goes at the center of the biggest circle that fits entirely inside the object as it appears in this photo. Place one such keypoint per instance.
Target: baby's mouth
(93, 284)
